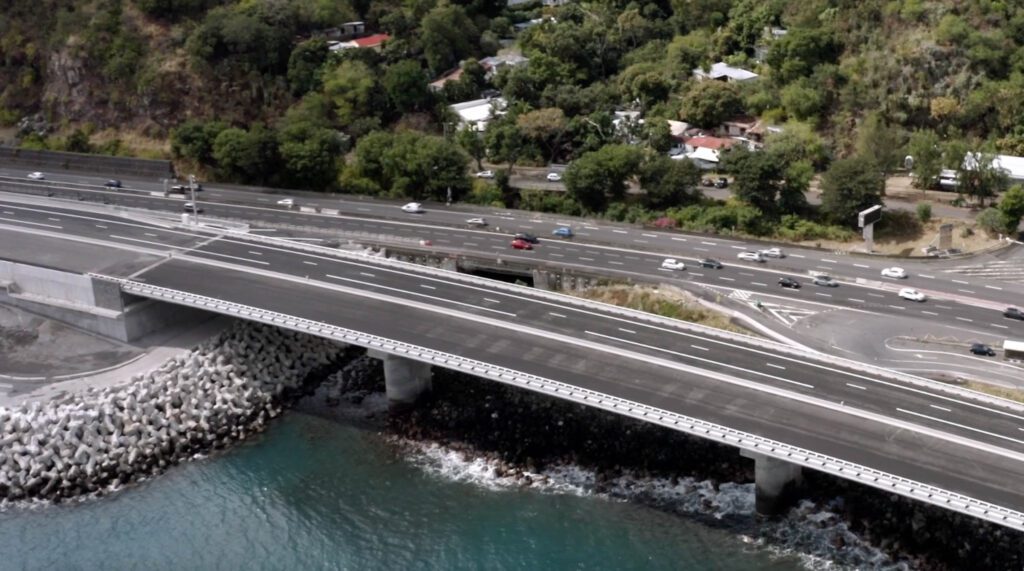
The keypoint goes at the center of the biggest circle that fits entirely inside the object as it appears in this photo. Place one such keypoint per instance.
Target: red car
(522, 245)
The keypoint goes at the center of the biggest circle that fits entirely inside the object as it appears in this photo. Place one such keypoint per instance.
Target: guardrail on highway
(86, 163)
(696, 427)
(770, 346)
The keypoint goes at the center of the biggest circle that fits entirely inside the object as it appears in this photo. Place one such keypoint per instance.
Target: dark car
(826, 281)
(722, 182)
(710, 263)
(526, 238)
(789, 282)
(112, 183)
(982, 349)
(1013, 313)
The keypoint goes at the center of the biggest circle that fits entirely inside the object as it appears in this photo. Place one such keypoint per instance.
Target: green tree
(924, 212)
(980, 177)
(708, 103)
(504, 141)
(669, 182)
(1011, 206)
(413, 165)
(305, 66)
(602, 174)
(924, 148)
(472, 142)
(762, 180)
(194, 140)
(77, 142)
(447, 35)
(850, 186)
(406, 85)
(353, 89)
(798, 142)
(803, 101)
(880, 142)
(797, 53)
(246, 156)
(544, 127)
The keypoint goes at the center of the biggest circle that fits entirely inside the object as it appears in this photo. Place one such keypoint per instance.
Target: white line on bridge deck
(978, 430)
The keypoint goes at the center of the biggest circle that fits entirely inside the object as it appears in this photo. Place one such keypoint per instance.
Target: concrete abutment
(776, 483)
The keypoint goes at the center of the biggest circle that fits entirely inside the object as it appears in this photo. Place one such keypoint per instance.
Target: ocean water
(313, 493)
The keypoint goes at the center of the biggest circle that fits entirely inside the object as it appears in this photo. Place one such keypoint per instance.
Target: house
(722, 71)
(475, 114)
(344, 32)
(677, 131)
(494, 64)
(374, 42)
(531, 23)
(439, 83)
(706, 151)
(750, 130)
(771, 33)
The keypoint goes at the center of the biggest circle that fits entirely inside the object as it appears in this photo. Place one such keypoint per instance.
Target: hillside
(251, 91)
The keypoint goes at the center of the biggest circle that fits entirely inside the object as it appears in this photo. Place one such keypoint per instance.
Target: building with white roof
(722, 71)
(475, 114)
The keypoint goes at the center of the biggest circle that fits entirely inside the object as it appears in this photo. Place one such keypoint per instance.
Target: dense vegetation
(248, 91)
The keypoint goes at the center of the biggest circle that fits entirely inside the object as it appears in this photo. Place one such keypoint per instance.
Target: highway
(938, 438)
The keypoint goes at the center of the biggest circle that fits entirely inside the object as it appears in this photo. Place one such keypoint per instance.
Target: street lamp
(195, 205)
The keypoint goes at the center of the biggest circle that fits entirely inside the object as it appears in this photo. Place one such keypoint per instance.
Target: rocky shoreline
(508, 437)
(218, 393)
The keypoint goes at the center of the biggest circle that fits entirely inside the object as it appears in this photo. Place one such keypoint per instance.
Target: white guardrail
(765, 344)
(806, 458)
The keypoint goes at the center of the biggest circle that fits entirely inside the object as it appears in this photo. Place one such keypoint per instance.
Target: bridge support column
(776, 483)
(405, 380)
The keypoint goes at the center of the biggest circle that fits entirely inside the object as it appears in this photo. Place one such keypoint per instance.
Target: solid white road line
(406, 292)
(978, 430)
(33, 223)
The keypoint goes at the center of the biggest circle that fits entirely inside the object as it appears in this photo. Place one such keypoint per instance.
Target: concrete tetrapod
(98, 440)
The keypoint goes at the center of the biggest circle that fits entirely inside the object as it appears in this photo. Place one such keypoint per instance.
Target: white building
(722, 71)
(475, 114)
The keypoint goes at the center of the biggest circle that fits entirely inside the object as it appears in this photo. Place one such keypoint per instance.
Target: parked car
(526, 238)
(826, 281)
(912, 294)
(36, 176)
(982, 349)
(707, 182)
(413, 208)
(711, 263)
(521, 245)
(750, 256)
(1014, 313)
(554, 177)
(789, 282)
(721, 182)
(773, 253)
(562, 232)
(192, 208)
(485, 174)
(894, 272)
(478, 222)
(673, 264)
(289, 202)
(112, 183)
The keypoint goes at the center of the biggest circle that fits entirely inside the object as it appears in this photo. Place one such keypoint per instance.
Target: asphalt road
(951, 442)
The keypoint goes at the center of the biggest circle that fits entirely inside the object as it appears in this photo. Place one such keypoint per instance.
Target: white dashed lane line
(679, 239)
(926, 276)
(308, 263)
(993, 287)
(965, 319)
(700, 348)
(774, 366)
(861, 266)
(650, 235)
(960, 282)
(425, 286)
(624, 330)
(620, 231)
(928, 312)
(999, 326)
(827, 261)
(553, 314)
(759, 284)
(615, 263)
(897, 307)
(796, 256)
(710, 243)
(858, 387)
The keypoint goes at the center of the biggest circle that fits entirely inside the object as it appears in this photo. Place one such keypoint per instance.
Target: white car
(750, 256)
(894, 272)
(773, 253)
(36, 175)
(912, 294)
(286, 202)
(413, 208)
(481, 222)
(673, 264)
(485, 174)
(554, 177)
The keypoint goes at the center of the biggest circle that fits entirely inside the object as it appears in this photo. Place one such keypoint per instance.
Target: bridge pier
(776, 483)
(405, 380)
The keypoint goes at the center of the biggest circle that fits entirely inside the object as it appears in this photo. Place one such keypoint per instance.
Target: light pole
(195, 206)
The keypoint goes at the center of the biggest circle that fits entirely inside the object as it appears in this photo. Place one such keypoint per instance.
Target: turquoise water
(315, 494)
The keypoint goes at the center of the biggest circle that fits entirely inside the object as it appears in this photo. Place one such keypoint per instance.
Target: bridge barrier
(715, 432)
(82, 162)
(772, 348)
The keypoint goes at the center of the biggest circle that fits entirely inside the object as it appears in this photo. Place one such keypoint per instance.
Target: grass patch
(666, 302)
(1001, 392)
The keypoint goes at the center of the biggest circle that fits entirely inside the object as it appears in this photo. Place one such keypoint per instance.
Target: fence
(55, 161)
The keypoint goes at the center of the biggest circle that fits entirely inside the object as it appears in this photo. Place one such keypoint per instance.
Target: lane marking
(823, 294)
(425, 286)
(615, 263)
(999, 326)
(102, 226)
(559, 255)
(965, 291)
(993, 287)
(552, 313)
(858, 387)
(738, 247)
(773, 365)
(624, 330)
(491, 300)
(726, 279)
(679, 239)
(965, 319)
(250, 251)
(620, 231)
(978, 430)
(700, 348)
(828, 261)
(640, 241)
(857, 300)
(308, 263)
(861, 266)
(897, 307)
(367, 274)
(759, 284)
(746, 274)
(701, 249)
(650, 235)
(710, 243)
(942, 408)
(418, 294)
(52, 219)
(586, 259)
(928, 312)
(33, 223)
(796, 256)
(927, 276)
(875, 294)
(960, 282)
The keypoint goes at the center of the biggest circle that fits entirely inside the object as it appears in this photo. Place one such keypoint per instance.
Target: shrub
(924, 212)
(992, 221)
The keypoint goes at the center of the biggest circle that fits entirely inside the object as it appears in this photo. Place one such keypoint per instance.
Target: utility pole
(195, 205)
(448, 197)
